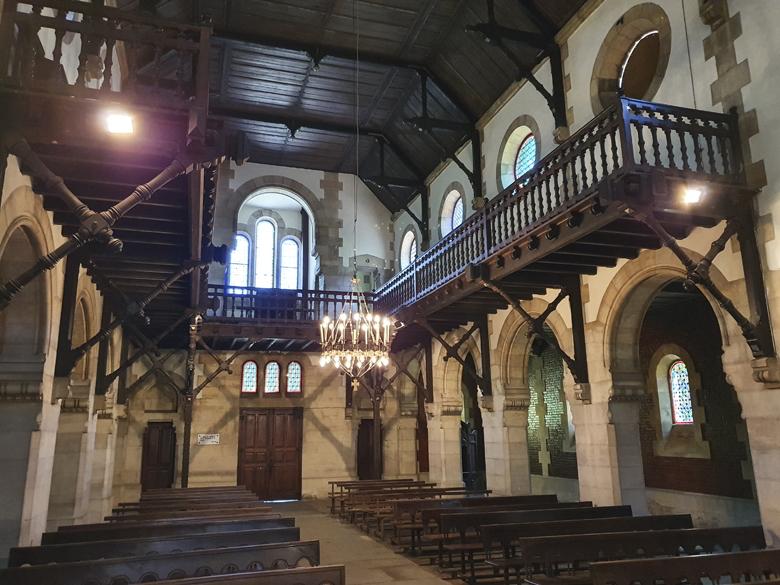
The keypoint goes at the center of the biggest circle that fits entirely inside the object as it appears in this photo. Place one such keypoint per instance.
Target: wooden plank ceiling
(262, 76)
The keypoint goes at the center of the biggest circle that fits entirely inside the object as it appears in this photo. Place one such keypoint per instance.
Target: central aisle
(367, 560)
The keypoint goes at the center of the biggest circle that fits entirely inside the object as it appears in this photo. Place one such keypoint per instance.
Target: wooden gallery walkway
(368, 561)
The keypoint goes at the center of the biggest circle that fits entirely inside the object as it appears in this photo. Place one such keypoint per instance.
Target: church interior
(350, 292)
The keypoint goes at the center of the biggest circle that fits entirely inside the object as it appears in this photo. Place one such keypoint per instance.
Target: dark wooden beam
(65, 359)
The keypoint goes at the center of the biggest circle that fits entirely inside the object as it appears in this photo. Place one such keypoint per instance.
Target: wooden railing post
(626, 138)
(6, 35)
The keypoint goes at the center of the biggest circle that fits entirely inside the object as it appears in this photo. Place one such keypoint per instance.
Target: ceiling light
(693, 195)
(119, 123)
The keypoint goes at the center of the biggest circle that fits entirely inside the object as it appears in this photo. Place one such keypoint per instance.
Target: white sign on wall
(208, 438)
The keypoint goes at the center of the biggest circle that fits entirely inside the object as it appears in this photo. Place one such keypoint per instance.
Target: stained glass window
(293, 378)
(682, 408)
(265, 253)
(288, 266)
(526, 156)
(271, 378)
(238, 270)
(249, 378)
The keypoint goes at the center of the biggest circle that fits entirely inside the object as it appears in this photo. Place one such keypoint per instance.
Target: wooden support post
(428, 345)
(476, 157)
(578, 329)
(65, 362)
(189, 394)
(376, 403)
(121, 392)
(102, 359)
(484, 351)
(425, 204)
(754, 283)
(305, 250)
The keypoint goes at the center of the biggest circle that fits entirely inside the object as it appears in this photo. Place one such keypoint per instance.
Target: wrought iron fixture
(357, 340)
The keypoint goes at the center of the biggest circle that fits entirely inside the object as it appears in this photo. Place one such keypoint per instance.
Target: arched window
(408, 249)
(451, 212)
(679, 387)
(289, 263)
(238, 269)
(265, 253)
(271, 385)
(294, 383)
(249, 378)
(525, 159)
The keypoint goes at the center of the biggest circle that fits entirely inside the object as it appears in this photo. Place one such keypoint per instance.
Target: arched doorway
(22, 338)
(472, 436)
(552, 450)
(695, 450)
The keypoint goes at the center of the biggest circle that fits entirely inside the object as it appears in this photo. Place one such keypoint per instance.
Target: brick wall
(547, 419)
(691, 324)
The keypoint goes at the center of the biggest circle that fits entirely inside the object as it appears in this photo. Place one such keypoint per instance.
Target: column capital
(766, 371)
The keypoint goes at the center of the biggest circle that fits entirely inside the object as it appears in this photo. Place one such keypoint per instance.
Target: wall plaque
(208, 438)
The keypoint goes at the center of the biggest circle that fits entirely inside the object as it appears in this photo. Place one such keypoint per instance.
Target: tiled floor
(367, 560)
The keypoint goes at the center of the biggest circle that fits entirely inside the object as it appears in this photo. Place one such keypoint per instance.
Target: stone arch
(632, 26)
(305, 196)
(501, 164)
(454, 186)
(625, 303)
(448, 377)
(514, 346)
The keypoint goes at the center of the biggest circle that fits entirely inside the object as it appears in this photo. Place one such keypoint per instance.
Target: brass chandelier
(356, 340)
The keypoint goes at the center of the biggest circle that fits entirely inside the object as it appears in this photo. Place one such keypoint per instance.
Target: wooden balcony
(282, 320)
(78, 58)
(568, 216)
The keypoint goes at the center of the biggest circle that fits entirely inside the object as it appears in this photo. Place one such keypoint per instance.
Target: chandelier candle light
(357, 340)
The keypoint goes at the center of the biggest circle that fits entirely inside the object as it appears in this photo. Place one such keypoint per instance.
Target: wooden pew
(550, 552)
(465, 526)
(190, 517)
(341, 485)
(739, 566)
(324, 575)
(431, 518)
(406, 514)
(358, 495)
(170, 566)
(186, 505)
(433, 532)
(181, 528)
(139, 547)
(143, 516)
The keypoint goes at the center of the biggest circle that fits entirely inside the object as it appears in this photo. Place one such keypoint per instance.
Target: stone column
(444, 443)
(517, 469)
(68, 465)
(96, 505)
(406, 439)
(760, 401)
(609, 453)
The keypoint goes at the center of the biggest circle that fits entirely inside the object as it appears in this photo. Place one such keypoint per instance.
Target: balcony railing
(632, 137)
(73, 49)
(276, 305)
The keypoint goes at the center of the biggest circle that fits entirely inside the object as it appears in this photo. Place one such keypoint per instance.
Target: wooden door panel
(158, 456)
(269, 452)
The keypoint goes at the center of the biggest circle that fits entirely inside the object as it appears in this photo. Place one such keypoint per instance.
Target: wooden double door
(269, 452)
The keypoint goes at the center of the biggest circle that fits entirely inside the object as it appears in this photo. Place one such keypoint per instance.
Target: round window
(640, 66)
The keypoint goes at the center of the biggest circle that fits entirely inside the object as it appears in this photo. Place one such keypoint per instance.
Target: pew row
(170, 566)
(209, 526)
(324, 575)
(140, 547)
(735, 567)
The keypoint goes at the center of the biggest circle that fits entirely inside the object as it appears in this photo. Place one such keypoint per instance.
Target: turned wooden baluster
(725, 149)
(108, 63)
(594, 142)
(574, 180)
(669, 144)
(681, 134)
(615, 147)
(31, 47)
(710, 150)
(696, 135)
(656, 145)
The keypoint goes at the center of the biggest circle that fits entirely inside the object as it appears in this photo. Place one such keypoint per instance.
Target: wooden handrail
(631, 137)
(269, 304)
